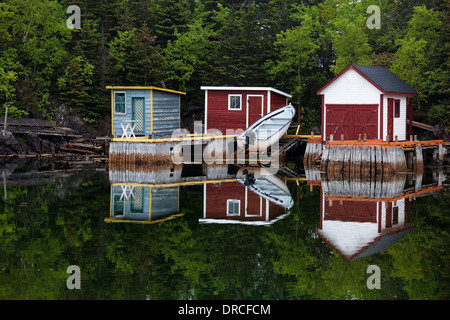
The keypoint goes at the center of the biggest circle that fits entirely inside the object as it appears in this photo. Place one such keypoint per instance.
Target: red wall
(355, 211)
(219, 117)
(216, 203)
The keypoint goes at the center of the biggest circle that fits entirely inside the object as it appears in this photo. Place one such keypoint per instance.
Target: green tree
(297, 47)
(135, 58)
(9, 64)
(190, 52)
(74, 86)
(350, 43)
(39, 34)
(170, 16)
(412, 59)
(145, 59)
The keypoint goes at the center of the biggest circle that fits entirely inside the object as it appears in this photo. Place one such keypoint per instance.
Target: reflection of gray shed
(140, 203)
(152, 111)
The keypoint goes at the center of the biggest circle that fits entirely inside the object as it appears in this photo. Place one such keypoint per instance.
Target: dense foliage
(294, 46)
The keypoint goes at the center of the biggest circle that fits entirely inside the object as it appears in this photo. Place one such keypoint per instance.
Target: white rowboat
(266, 184)
(267, 130)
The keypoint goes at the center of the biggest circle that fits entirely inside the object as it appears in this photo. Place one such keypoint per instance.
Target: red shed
(232, 202)
(238, 107)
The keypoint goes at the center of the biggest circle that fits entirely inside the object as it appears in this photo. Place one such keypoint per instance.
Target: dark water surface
(194, 244)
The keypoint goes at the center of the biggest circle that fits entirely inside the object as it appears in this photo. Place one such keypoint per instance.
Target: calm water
(132, 240)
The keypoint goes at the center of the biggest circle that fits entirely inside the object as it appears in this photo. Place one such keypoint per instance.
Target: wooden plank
(324, 163)
(346, 163)
(420, 125)
(85, 145)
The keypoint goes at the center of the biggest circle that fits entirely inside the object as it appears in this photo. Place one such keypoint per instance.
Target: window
(234, 102)
(397, 108)
(119, 101)
(233, 207)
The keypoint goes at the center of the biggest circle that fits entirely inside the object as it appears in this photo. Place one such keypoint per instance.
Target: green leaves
(284, 44)
(190, 51)
(119, 47)
(350, 43)
(412, 61)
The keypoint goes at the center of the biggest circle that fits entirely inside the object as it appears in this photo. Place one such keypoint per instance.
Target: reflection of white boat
(266, 184)
(267, 130)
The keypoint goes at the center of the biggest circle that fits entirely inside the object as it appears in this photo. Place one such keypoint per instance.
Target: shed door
(138, 115)
(253, 202)
(352, 120)
(390, 119)
(255, 109)
(354, 211)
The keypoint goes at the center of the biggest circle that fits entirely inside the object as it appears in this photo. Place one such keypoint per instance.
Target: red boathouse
(232, 202)
(238, 107)
(366, 100)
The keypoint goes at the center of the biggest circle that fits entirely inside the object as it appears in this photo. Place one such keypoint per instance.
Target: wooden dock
(373, 157)
(195, 149)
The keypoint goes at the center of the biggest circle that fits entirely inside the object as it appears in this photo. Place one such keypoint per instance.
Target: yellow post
(112, 113)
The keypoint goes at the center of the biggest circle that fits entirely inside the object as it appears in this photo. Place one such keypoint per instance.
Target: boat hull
(266, 131)
(266, 184)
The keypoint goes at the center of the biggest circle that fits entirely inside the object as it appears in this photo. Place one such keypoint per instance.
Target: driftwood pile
(83, 151)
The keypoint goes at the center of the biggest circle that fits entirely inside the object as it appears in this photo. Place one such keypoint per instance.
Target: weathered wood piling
(355, 161)
(375, 158)
(127, 155)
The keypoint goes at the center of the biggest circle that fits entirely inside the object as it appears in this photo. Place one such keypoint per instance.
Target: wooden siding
(220, 118)
(164, 202)
(166, 111)
(277, 101)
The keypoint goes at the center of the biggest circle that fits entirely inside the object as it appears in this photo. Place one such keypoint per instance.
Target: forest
(47, 65)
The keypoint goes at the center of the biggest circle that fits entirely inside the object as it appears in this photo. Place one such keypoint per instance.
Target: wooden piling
(419, 158)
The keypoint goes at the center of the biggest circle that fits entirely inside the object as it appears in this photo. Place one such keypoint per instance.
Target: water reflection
(364, 216)
(230, 195)
(143, 203)
(55, 218)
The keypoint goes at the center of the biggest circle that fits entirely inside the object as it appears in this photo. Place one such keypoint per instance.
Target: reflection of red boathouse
(361, 226)
(232, 202)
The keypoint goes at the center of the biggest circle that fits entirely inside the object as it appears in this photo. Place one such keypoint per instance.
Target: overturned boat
(266, 184)
(267, 130)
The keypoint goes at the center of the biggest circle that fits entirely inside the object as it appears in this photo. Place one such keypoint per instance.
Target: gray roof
(383, 243)
(385, 79)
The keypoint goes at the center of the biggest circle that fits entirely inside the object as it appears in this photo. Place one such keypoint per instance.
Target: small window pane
(397, 108)
(235, 102)
(120, 102)
(233, 207)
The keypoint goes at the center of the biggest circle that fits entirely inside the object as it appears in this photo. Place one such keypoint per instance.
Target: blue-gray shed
(152, 111)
